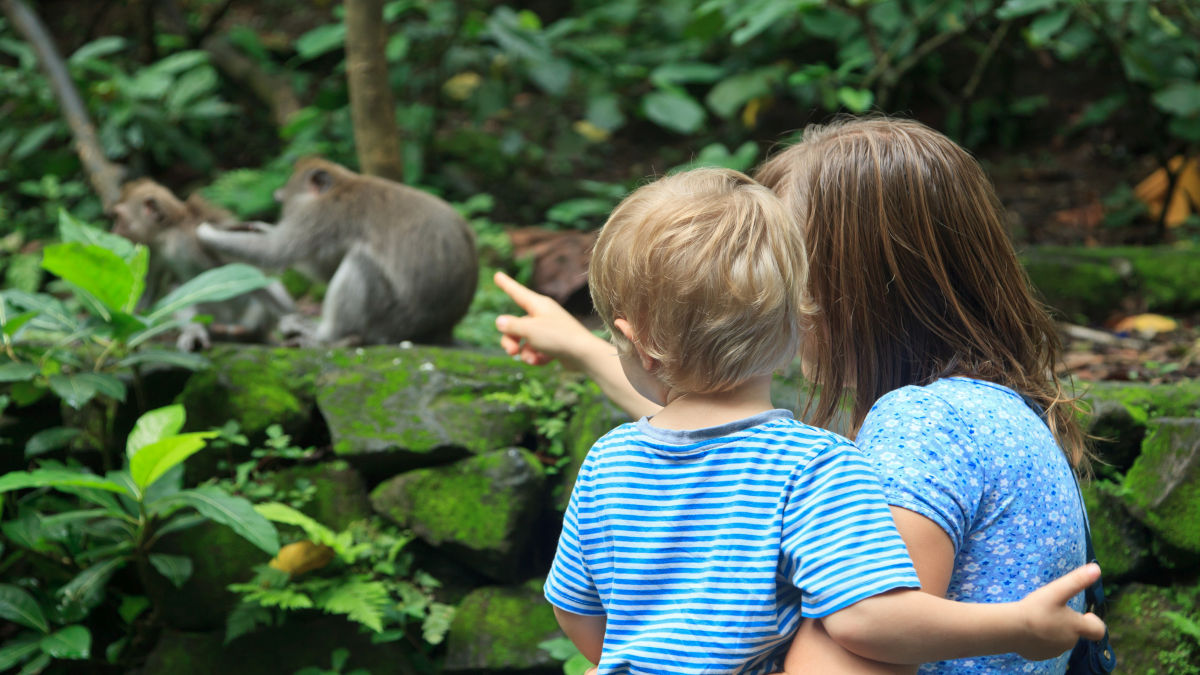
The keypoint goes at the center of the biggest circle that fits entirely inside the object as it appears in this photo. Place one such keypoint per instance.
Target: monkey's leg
(358, 297)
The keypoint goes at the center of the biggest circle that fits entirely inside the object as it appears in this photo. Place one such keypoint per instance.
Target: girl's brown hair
(913, 273)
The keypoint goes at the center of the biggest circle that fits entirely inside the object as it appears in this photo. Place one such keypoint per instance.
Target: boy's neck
(684, 412)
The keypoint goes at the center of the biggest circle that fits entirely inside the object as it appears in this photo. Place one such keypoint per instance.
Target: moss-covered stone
(339, 495)
(592, 417)
(280, 649)
(483, 507)
(1120, 413)
(390, 408)
(1088, 284)
(254, 385)
(1147, 638)
(1121, 543)
(1164, 483)
(219, 557)
(500, 628)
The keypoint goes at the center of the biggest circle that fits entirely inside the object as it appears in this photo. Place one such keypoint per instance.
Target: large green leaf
(155, 459)
(673, 110)
(71, 229)
(234, 512)
(154, 426)
(96, 271)
(72, 642)
(15, 372)
(213, 285)
(18, 606)
(17, 649)
(86, 590)
(57, 478)
(282, 513)
(176, 568)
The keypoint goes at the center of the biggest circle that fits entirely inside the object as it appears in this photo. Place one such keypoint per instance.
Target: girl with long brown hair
(930, 346)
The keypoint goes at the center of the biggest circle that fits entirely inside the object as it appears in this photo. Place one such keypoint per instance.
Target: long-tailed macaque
(400, 263)
(151, 214)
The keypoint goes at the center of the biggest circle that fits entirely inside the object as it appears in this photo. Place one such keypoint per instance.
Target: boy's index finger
(520, 293)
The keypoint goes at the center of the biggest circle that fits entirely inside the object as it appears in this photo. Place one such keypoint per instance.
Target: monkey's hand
(298, 331)
(193, 337)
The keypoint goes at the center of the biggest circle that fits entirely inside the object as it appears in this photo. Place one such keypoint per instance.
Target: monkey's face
(139, 219)
(304, 187)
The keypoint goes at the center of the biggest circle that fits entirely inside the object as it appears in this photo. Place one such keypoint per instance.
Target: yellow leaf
(1146, 325)
(590, 131)
(750, 112)
(461, 86)
(1185, 198)
(301, 557)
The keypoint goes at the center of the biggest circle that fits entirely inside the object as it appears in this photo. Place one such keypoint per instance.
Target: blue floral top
(973, 458)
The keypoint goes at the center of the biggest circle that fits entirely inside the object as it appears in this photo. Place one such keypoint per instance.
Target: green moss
(1164, 482)
(1120, 542)
(501, 627)
(257, 386)
(1145, 637)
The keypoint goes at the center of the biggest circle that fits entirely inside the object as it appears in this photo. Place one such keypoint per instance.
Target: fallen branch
(104, 175)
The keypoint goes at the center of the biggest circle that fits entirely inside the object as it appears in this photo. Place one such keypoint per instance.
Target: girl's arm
(548, 332)
(909, 626)
(932, 552)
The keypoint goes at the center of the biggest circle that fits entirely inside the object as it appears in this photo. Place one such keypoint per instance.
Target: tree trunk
(105, 176)
(376, 138)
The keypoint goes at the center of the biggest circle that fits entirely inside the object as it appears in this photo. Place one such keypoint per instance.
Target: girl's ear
(648, 363)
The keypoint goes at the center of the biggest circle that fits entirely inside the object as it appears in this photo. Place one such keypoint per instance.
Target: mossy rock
(483, 508)
(1120, 413)
(1143, 623)
(1087, 285)
(219, 557)
(278, 649)
(592, 417)
(390, 408)
(254, 385)
(500, 628)
(1121, 543)
(1164, 483)
(340, 496)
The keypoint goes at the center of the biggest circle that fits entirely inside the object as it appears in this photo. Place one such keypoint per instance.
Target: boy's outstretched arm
(910, 626)
(586, 632)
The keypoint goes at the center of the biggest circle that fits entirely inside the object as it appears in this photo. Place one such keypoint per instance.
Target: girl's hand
(546, 332)
(1050, 624)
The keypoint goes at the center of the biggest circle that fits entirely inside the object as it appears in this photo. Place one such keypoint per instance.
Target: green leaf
(95, 271)
(37, 665)
(282, 513)
(234, 512)
(1013, 9)
(686, 73)
(320, 40)
(244, 618)
(97, 48)
(17, 649)
(50, 439)
(18, 606)
(213, 285)
(86, 590)
(176, 568)
(179, 62)
(855, 100)
(673, 110)
(576, 665)
(154, 426)
(132, 606)
(360, 601)
(153, 460)
(74, 390)
(166, 357)
(1047, 26)
(730, 94)
(189, 87)
(72, 642)
(1181, 99)
(57, 478)
(15, 372)
(437, 622)
(32, 140)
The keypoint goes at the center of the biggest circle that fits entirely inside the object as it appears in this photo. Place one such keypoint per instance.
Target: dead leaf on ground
(301, 557)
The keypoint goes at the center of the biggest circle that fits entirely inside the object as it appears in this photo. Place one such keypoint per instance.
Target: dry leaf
(1146, 325)
(301, 557)
(1184, 199)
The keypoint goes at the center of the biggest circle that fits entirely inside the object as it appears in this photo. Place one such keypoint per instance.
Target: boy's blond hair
(709, 269)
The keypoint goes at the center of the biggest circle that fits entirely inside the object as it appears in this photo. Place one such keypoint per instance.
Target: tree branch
(104, 175)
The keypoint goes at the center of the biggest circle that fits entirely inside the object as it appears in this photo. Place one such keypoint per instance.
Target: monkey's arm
(270, 248)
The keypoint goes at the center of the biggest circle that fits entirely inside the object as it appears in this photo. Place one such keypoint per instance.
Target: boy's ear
(648, 363)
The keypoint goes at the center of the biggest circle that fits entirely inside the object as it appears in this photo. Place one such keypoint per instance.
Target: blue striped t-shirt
(704, 548)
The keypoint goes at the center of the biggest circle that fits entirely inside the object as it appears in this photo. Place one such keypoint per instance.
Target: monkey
(150, 214)
(400, 263)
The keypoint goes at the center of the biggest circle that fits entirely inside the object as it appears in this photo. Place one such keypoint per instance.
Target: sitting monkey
(151, 214)
(400, 263)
